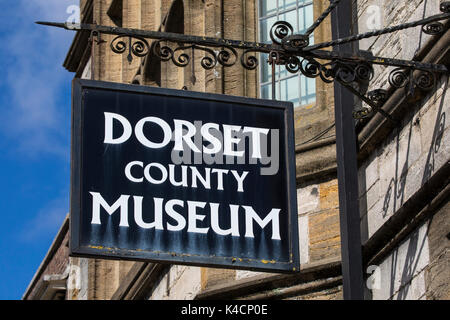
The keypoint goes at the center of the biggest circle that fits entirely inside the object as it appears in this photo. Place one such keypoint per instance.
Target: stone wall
(402, 273)
(178, 283)
(437, 275)
(406, 160)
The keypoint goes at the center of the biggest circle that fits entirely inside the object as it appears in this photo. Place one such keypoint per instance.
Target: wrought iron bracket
(288, 49)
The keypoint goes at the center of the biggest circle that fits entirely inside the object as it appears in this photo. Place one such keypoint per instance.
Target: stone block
(373, 195)
(243, 274)
(329, 195)
(213, 276)
(377, 216)
(303, 233)
(405, 263)
(411, 183)
(438, 271)
(308, 199)
(409, 146)
(387, 154)
(186, 286)
(179, 283)
(414, 290)
(368, 174)
(324, 235)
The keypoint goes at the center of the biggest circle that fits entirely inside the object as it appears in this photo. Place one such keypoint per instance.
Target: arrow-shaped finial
(52, 24)
(67, 26)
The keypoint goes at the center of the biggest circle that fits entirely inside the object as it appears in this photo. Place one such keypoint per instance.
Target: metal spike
(52, 24)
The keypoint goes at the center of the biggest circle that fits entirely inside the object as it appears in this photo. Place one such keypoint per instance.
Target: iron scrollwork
(282, 33)
(249, 62)
(289, 49)
(445, 7)
(345, 71)
(279, 31)
(400, 78)
(137, 46)
(226, 56)
(433, 28)
(437, 27)
(378, 96)
(426, 80)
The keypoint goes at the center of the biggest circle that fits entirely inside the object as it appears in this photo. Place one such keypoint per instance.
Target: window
(289, 87)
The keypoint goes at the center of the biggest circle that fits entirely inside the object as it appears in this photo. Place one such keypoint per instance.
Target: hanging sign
(182, 177)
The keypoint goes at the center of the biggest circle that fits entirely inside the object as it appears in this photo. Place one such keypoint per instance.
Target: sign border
(75, 250)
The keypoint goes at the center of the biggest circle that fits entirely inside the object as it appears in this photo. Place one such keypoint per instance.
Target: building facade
(403, 168)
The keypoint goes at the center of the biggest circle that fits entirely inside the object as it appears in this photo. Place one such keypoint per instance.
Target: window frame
(281, 74)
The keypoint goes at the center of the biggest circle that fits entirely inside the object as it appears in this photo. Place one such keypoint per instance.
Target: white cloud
(46, 222)
(49, 9)
(37, 117)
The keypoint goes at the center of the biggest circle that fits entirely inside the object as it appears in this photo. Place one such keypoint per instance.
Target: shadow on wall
(415, 249)
(409, 269)
(405, 261)
(438, 134)
(397, 184)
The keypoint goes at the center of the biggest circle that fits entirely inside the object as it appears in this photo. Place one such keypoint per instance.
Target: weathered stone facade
(408, 247)
(411, 159)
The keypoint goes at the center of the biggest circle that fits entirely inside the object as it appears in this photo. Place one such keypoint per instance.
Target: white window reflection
(289, 87)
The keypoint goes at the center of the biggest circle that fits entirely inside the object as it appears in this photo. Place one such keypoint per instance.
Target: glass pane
(309, 15)
(308, 90)
(295, 88)
(302, 21)
(266, 91)
(290, 17)
(309, 100)
(286, 4)
(267, 7)
(266, 69)
(289, 90)
(265, 26)
(303, 86)
(302, 3)
(305, 18)
(311, 83)
(284, 73)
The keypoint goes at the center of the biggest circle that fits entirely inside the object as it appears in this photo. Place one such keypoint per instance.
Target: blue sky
(34, 136)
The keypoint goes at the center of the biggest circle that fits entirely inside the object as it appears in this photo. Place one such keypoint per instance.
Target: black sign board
(182, 177)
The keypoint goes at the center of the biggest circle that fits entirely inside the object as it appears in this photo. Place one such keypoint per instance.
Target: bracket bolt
(445, 7)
